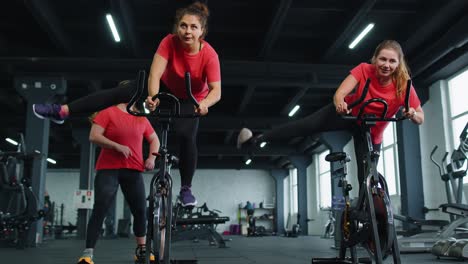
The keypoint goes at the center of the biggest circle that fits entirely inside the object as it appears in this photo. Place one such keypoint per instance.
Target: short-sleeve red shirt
(364, 71)
(204, 67)
(124, 129)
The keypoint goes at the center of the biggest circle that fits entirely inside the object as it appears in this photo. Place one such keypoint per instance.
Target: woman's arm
(97, 137)
(158, 66)
(154, 148)
(214, 95)
(345, 88)
(415, 115)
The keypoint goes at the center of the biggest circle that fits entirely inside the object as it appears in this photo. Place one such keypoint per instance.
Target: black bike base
(184, 261)
(339, 261)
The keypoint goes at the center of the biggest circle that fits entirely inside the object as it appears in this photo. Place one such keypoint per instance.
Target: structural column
(87, 155)
(278, 176)
(38, 90)
(301, 163)
(411, 180)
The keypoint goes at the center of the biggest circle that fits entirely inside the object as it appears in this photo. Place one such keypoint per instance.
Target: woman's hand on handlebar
(409, 113)
(151, 104)
(342, 108)
(202, 108)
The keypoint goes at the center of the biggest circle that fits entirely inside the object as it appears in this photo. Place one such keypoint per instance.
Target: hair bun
(202, 7)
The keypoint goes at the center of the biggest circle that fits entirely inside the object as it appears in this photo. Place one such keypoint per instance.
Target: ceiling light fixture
(248, 161)
(51, 161)
(11, 141)
(294, 110)
(361, 36)
(113, 28)
(263, 144)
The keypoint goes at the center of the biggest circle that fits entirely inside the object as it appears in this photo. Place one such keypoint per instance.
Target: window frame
(453, 135)
(326, 174)
(382, 166)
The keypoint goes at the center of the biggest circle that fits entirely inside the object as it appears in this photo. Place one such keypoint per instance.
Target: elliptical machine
(425, 242)
(18, 203)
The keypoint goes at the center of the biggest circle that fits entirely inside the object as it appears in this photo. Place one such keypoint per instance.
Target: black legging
(106, 184)
(186, 128)
(102, 99)
(325, 119)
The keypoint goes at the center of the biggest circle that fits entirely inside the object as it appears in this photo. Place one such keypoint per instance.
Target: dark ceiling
(274, 54)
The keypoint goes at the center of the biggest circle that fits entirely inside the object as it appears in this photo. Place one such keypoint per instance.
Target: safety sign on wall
(84, 199)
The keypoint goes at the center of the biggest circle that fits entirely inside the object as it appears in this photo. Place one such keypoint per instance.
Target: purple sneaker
(50, 111)
(186, 197)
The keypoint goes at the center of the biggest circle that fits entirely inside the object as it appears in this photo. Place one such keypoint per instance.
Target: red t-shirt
(203, 67)
(124, 129)
(364, 71)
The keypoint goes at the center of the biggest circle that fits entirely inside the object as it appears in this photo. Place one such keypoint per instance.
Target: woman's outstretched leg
(88, 104)
(325, 119)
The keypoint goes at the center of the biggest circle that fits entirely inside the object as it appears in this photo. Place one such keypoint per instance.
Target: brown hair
(197, 9)
(402, 72)
(92, 116)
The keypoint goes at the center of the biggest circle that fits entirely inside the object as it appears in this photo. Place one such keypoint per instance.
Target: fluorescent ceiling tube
(248, 161)
(11, 141)
(361, 35)
(263, 144)
(51, 161)
(113, 28)
(294, 110)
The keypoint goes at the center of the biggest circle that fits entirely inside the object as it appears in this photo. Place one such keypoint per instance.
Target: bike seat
(337, 156)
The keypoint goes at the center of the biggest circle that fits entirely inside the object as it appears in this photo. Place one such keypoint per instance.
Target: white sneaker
(244, 135)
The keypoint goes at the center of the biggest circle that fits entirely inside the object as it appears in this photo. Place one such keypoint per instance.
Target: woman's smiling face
(386, 62)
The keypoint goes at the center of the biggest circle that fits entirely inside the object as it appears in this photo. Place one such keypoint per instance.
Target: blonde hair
(402, 72)
(197, 9)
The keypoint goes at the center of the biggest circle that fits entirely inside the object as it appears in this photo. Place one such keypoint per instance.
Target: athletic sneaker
(246, 138)
(85, 260)
(186, 197)
(50, 111)
(140, 255)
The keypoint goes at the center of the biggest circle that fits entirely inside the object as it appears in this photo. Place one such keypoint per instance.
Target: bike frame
(160, 222)
(370, 186)
(359, 224)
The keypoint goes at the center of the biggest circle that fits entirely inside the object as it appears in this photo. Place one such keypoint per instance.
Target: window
(458, 110)
(293, 200)
(324, 177)
(388, 161)
(457, 87)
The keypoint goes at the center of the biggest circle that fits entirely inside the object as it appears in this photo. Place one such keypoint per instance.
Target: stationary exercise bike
(368, 222)
(160, 220)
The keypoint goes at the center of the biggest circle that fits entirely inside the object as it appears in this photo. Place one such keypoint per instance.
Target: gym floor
(240, 250)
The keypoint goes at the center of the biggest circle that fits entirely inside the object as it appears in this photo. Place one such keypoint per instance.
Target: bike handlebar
(162, 113)
(362, 117)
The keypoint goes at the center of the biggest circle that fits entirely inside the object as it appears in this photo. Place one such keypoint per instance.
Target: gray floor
(240, 250)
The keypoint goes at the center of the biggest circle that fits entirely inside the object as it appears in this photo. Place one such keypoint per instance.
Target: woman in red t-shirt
(183, 51)
(186, 51)
(120, 163)
(388, 73)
